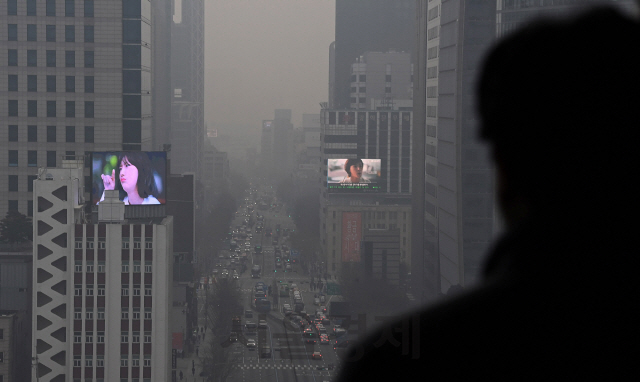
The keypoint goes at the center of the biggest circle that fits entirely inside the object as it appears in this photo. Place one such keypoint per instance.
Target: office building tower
(367, 26)
(75, 77)
(188, 130)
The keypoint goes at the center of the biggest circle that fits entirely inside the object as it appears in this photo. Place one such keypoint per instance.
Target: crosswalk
(271, 366)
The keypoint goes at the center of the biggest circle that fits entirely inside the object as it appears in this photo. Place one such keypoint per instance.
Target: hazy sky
(262, 55)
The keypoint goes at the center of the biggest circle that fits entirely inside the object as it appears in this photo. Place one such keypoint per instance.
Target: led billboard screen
(354, 175)
(141, 177)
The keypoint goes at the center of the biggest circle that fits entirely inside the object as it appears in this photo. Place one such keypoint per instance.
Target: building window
(70, 33)
(136, 313)
(51, 84)
(147, 361)
(12, 104)
(125, 313)
(147, 313)
(69, 8)
(88, 135)
(77, 360)
(51, 7)
(363, 78)
(51, 108)
(136, 290)
(90, 262)
(31, 7)
(51, 33)
(77, 337)
(70, 133)
(136, 243)
(70, 109)
(148, 243)
(12, 30)
(12, 7)
(89, 335)
(147, 266)
(136, 267)
(32, 57)
(88, 33)
(125, 244)
(13, 133)
(32, 158)
(12, 83)
(88, 84)
(100, 314)
(125, 292)
(32, 83)
(101, 265)
(32, 108)
(77, 314)
(136, 337)
(51, 133)
(147, 290)
(78, 263)
(12, 57)
(147, 337)
(124, 362)
(88, 8)
(88, 362)
(90, 246)
(102, 244)
(125, 267)
(89, 290)
(100, 338)
(32, 133)
(88, 58)
(88, 109)
(70, 59)
(51, 159)
(51, 58)
(70, 84)
(13, 158)
(101, 290)
(32, 32)
(13, 183)
(124, 336)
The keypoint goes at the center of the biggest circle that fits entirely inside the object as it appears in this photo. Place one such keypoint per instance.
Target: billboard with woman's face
(141, 177)
(354, 175)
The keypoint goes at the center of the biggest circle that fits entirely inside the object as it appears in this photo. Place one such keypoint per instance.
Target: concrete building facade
(101, 293)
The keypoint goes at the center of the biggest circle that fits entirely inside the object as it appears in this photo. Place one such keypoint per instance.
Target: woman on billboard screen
(135, 177)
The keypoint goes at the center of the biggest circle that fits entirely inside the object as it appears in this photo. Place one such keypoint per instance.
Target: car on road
(251, 344)
(310, 341)
(262, 324)
(233, 337)
(316, 355)
(324, 339)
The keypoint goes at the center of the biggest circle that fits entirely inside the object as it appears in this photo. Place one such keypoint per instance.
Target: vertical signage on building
(351, 236)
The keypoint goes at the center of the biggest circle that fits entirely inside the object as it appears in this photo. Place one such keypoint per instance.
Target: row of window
(50, 35)
(13, 183)
(137, 265)
(359, 100)
(50, 9)
(124, 362)
(32, 158)
(90, 268)
(77, 315)
(51, 58)
(136, 290)
(32, 133)
(12, 205)
(363, 89)
(359, 78)
(137, 244)
(52, 106)
(51, 83)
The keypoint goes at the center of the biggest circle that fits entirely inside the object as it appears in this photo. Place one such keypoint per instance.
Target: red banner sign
(351, 236)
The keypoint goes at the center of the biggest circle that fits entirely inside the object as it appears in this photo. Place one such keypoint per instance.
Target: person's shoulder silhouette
(558, 105)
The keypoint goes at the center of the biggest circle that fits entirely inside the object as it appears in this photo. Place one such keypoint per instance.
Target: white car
(262, 324)
(251, 344)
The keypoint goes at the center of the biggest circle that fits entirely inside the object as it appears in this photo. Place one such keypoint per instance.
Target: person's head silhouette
(558, 102)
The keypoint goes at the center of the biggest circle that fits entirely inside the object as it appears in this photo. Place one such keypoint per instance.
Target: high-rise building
(75, 77)
(366, 134)
(454, 180)
(276, 146)
(188, 130)
(99, 284)
(367, 26)
(382, 81)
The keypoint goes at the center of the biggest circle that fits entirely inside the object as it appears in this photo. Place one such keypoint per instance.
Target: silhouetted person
(559, 104)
